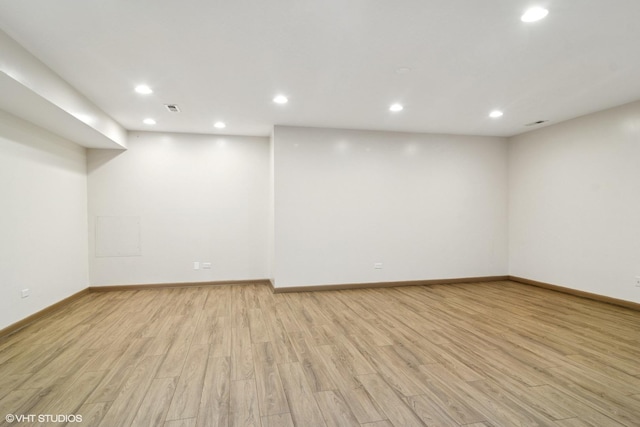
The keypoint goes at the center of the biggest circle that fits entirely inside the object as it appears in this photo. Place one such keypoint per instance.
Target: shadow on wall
(39, 145)
(100, 158)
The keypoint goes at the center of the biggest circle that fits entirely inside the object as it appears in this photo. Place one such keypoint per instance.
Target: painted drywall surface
(43, 219)
(425, 206)
(198, 198)
(30, 73)
(574, 203)
(271, 215)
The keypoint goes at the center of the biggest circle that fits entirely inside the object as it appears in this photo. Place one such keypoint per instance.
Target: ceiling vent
(539, 122)
(173, 108)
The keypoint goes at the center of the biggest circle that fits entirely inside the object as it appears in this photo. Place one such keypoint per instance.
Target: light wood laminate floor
(475, 355)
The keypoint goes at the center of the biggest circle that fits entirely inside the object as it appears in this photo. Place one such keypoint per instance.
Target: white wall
(574, 203)
(198, 198)
(271, 232)
(335, 202)
(426, 206)
(31, 90)
(43, 219)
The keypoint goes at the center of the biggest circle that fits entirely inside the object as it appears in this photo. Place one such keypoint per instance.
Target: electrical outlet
(206, 266)
(377, 266)
(196, 265)
(25, 293)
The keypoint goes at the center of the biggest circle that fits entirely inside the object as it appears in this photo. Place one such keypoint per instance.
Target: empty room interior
(320, 213)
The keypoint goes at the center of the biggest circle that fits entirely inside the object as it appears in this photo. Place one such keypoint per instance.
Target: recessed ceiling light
(396, 107)
(219, 125)
(143, 89)
(149, 121)
(534, 14)
(495, 114)
(280, 99)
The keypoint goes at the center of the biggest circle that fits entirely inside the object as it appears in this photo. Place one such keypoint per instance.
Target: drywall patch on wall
(200, 199)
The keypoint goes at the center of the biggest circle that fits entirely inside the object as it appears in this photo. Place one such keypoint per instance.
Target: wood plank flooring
(474, 355)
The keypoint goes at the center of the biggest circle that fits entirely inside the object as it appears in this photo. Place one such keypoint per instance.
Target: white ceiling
(337, 61)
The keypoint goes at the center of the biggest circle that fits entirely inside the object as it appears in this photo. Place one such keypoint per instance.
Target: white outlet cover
(206, 265)
(25, 293)
(377, 265)
(196, 265)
